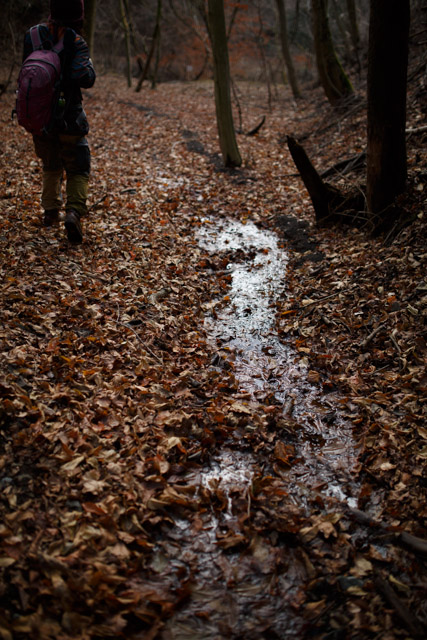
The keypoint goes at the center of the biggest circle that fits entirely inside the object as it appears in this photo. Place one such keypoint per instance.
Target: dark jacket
(77, 73)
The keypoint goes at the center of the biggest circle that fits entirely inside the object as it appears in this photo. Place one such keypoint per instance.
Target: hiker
(65, 147)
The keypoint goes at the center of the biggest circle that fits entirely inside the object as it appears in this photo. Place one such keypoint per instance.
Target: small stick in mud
(411, 622)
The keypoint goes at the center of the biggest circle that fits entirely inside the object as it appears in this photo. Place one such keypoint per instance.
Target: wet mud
(241, 590)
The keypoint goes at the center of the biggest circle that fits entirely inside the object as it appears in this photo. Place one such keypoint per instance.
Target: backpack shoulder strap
(36, 40)
(59, 46)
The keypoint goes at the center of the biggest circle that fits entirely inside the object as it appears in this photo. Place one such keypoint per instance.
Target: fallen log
(329, 203)
(318, 191)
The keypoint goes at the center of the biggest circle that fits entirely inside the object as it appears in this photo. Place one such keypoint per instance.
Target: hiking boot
(73, 226)
(51, 217)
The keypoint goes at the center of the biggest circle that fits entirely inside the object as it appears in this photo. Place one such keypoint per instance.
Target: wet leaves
(143, 492)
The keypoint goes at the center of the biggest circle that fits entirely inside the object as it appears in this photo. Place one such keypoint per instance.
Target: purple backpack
(39, 86)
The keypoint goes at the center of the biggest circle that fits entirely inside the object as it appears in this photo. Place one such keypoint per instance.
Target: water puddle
(228, 478)
(235, 589)
(244, 333)
(238, 591)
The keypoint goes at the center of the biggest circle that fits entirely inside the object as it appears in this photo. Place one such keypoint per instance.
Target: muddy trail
(184, 453)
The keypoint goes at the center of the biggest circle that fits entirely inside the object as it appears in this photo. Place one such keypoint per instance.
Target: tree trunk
(156, 37)
(345, 43)
(126, 31)
(157, 56)
(331, 74)
(387, 75)
(3, 87)
(266, 71)
(130, 25)
(90, 18)
(285, 49)
(354, 30)
(224, 115)
(188, 24)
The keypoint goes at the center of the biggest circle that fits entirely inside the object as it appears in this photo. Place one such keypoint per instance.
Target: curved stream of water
(232, 595)
(245, 330)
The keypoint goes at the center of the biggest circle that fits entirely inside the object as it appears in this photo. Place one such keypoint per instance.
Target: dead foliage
(114, 402)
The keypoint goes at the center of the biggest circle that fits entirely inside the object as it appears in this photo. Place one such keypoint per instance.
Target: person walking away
(65, 148)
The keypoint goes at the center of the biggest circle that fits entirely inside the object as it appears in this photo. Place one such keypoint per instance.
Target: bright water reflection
(237, 593)
(244, 332)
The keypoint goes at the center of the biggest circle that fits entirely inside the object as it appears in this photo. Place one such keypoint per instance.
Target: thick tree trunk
(331, 74)
(90, 18)
(387, 75)
(285, 49)
(224, 115)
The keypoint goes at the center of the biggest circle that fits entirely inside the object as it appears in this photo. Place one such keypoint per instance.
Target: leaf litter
(167, 472)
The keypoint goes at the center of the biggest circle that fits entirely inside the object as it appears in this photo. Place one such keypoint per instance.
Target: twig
(255, 130)
(410, 620)
(104, 197)
(332, 295)
(131, 190)
(146, 347)
(372, 335)
(239, 108)
(394, 341)
(378, 528)
(417, 545)
(357, 107)
(417, 129)
(402, 538)
(345, 166)
(81, 272)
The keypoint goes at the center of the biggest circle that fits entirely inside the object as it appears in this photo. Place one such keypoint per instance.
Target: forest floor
(148, 490)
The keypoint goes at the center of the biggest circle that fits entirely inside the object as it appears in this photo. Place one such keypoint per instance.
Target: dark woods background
(183, 48)
(299, 43)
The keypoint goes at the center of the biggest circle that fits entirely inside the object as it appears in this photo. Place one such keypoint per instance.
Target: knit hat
(67, 13)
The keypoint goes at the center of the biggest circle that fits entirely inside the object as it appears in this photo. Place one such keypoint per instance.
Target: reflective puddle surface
(239, 593)
(244, 332)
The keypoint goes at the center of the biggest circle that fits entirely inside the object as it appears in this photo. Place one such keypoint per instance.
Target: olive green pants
(72, 155)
